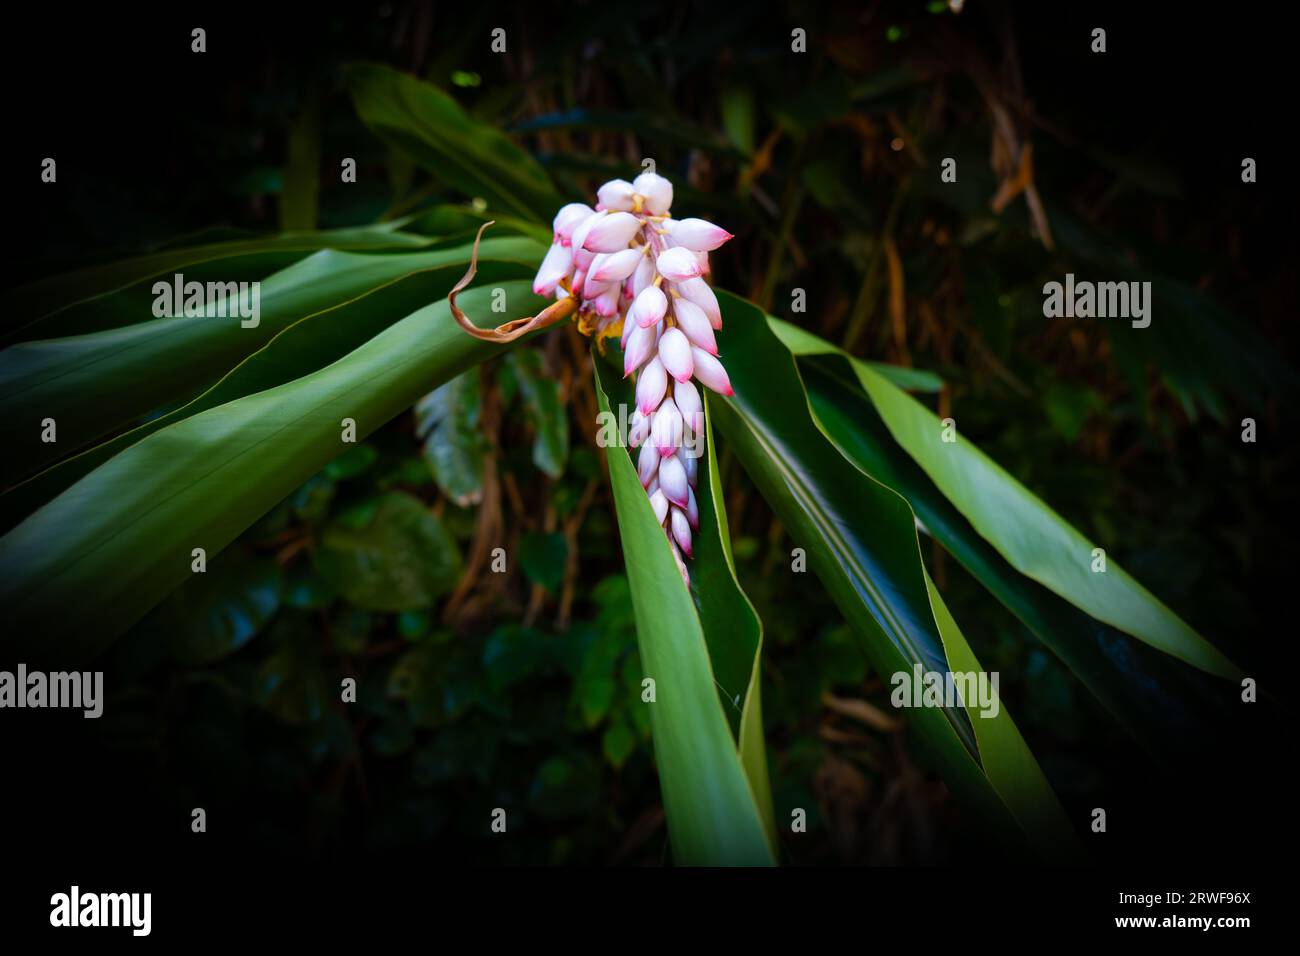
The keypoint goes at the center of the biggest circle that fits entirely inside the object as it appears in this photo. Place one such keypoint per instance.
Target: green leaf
(1007, 760)
(617, 743)
(429, 126)
(215, 613)
(713, 817)
(542, 558)
(546, 416)
(48, 295)
(75, 573)
(859, 536)
(91, 384)
(447, 419)
(1030, 535)
(1141, 687)
(305, 346)
(398, 558)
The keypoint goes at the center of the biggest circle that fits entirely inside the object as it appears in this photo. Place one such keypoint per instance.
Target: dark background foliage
(517, 690)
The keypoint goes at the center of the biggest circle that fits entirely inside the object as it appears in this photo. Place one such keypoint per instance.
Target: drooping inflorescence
(628, 261)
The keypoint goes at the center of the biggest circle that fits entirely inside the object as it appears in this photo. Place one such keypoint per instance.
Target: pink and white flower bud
(651, 384)
(710, 372)
(555, 266)
(568, 219)
(612, 232)
(616, 194)
(678, 264)
(675, 352)
(647, 464)
(606, 303)
(640, 344)
(666, 432)
(689, 403)
(638, 429)
(695, 324)
(672, 478)
(659, 502)
(581, 231)
(616, 266)
(650, 305)
(699, 292)
(691, 462)
(658, 192)
(692, 510)
(643, 277)
(681, 528)
(696, 234)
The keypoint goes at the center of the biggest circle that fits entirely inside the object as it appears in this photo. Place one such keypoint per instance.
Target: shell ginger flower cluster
(636, 272)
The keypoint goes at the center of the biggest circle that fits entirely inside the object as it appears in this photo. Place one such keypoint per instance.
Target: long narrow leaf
(713, 816)
(92, 561)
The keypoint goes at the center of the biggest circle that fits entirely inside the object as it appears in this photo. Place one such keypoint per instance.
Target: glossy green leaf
(1007, 760)
(447, 420)
(214, 614)
(85, 566)
(545, 414)
(1030, 535)
(394, 556)
(91, 384)
(430, 126)
(44, 296)
(304, 346)
(859, 536)
(713, 817)
(1147, 692)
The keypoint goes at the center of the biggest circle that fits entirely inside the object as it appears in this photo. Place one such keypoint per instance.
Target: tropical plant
(166, 439)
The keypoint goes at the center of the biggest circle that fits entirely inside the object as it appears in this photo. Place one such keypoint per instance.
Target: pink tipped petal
(650, 386)
(583, 258)
(697, 234)
(643, 277)
(640, 344)
(660, 505)
(695, 324)
(555, 266)
(611, 233)
(650, 305)
(703, 259)
(710, 372)
(583, 229)
(666, 431)
(616, 194)
(616, 266)
(691, 462)
(692, 510)
(689, 403)
(678, 265)
(658, 192)
(638, 429)
(675, 352)
(647, 464)
(607, 302)
(672, 479)
(698, 291)
(568, 219)
(681, 528)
